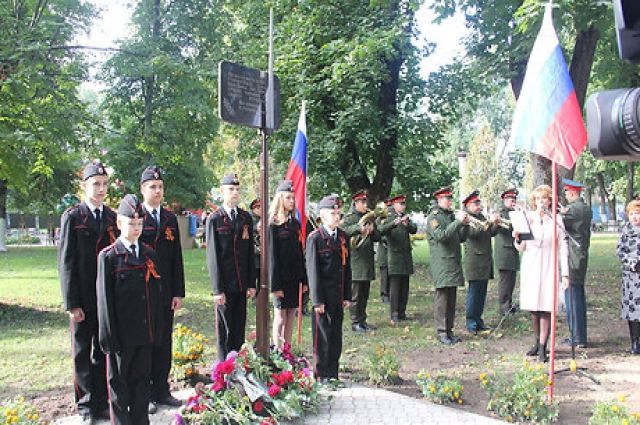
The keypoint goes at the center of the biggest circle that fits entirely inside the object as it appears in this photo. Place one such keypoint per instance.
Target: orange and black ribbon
(151, 270)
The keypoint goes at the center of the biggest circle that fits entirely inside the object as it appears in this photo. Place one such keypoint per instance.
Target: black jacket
(230, 252)
(129, 292)
(286, 258)
(328, 267)
(81, 240)
(165, 240)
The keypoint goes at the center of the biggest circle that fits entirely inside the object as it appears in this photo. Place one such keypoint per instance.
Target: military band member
(287, 272)
(85, 230)
(129, 291)
(329, 273)
(478, 261)
(160, 231)
(362, 259)
(230, 260)
(506, 255)
(396, 228)
(445, 231)
(381, 258)
(577, 222)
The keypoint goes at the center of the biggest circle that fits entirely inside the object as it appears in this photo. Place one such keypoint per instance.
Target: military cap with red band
(472, 197)
(359, 195)
(398, 198)
(443, 192)
(509, 193)
(572, 185)
(94, 168)
(151, 173)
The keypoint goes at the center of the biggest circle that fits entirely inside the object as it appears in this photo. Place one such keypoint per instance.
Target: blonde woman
(286, 262)
(536, 276)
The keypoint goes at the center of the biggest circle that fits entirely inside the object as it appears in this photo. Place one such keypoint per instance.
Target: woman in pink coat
(536, 267)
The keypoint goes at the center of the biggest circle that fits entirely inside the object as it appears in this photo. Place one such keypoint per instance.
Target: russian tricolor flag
(548, 120)
(297, 172)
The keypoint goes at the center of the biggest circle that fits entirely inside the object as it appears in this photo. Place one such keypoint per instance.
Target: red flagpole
(554, 248)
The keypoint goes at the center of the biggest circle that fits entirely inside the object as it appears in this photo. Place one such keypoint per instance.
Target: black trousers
(326, 331)
(398, 295)
(360, 296)
(445, 308)
(506, 283)
(231, 320)
(89, 371)
(161, 357)
(129, 386)
(384, 281)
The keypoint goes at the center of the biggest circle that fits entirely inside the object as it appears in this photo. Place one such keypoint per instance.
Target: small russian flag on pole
(548, 120)
(297, 172)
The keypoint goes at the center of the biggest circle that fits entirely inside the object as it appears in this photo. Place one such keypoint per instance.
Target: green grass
(35, 343)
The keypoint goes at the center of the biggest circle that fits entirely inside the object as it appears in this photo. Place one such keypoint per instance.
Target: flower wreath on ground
(247, 389)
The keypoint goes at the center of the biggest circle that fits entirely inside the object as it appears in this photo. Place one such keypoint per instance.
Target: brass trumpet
(380, 211)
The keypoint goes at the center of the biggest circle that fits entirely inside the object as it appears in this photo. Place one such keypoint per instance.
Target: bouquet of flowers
(247, 389)
(188, 347)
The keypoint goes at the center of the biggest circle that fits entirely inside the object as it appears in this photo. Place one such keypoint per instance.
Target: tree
(43, 124)
(159, 104)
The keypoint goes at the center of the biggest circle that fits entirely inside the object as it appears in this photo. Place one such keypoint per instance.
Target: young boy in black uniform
(85, 230)
(230, 260)
(160, 232)
(329, 274)
(128, 289)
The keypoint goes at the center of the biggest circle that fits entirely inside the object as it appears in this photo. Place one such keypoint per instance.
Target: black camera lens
(613, 124)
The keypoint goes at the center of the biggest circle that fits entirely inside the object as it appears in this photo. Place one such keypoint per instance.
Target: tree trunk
(602, 192)
(630, 172)
(613, 215)
(3, 215)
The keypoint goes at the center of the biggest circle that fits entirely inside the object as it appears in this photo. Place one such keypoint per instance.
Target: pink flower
(274, 390)
(218, 386)
(179, 420)
(251, 336)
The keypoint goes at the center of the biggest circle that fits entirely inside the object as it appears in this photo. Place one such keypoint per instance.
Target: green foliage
(612, 413)
(23, 240)
(188, 347)
(520, 396)
(44, 127)
(382, 366)
(440, 389)
(19, 412)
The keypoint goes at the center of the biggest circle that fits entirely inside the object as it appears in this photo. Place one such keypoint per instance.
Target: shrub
(23, 240)
(440, 388)
(612, 413)
(520, 396)
(188, 347)
(382, 366)
(19, 412)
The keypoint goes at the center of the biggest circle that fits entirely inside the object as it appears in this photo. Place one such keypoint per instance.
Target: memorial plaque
(240, 95)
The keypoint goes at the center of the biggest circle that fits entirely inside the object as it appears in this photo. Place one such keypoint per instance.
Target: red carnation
(258, 406)
(274, 390)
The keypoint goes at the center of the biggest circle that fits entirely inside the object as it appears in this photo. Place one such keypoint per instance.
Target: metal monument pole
(262, 304)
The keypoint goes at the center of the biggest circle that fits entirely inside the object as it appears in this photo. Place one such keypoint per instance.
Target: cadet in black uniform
(85, 230)
(329, 273)
(129, 290)
(160, 232)
(286, 262)
(230, 259)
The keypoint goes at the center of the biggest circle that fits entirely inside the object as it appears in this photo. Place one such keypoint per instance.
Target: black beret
(151, 173)
(130, 207)
(285, 186)
(230, 179)
(94, 168)
(329, 202)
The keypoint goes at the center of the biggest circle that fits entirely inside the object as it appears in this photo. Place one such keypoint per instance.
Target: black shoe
(444, 339)
(454, 338)
(403, 317)
(635, 347)
(359, 327)
(369, 327)
(102, 414)
(533, 351)
(152, 408)
(170, 401)
(542, 354)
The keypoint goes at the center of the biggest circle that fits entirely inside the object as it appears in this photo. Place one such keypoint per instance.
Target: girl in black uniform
(286, 262)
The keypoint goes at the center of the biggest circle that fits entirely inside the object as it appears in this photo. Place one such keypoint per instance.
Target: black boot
(542, 353)
(533, 351)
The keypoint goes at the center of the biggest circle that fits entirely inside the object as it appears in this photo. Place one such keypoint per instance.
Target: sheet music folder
(520, 224)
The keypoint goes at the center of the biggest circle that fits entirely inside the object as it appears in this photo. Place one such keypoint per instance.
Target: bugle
(369, 217)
